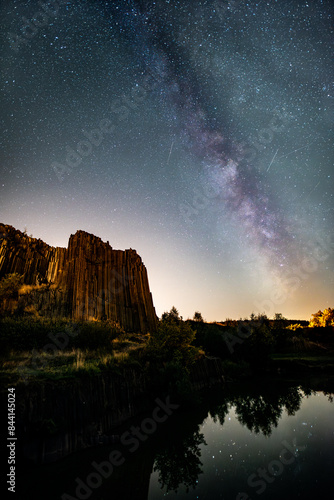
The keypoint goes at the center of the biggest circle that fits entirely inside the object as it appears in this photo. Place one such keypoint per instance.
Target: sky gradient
(198, 133)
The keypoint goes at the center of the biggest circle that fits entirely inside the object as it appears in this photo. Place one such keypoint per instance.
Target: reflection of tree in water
(257, 414)
(180, 463)
(219, 412)
(260, 412)
(326, 390)
(330, 396)
(292, 400)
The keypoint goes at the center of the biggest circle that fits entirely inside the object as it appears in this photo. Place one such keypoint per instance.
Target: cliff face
(87, 280)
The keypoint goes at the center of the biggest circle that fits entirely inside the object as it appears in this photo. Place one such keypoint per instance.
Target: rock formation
(85, 281)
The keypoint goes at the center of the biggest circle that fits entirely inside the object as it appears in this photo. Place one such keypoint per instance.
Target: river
(267, 439)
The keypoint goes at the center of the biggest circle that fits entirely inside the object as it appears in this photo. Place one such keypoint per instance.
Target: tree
(173, 340)
(322, 318)
(328, 317)
(170, 352)
(198, 317)
(316, 319)
(172, 316)
(279, 321)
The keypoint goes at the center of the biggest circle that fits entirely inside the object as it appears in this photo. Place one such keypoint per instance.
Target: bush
(10, 285)
(212, 338)
(24, 333)
(258, 346)
(27, 333)
(94, 336)
(172, 341)
(294, 327)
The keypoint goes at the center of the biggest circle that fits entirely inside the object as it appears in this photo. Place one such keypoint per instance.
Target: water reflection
(179, 463)
(215, 449)
(259, 410)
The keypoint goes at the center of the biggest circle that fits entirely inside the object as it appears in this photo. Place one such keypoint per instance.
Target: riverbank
(76, 383)
(55, 418)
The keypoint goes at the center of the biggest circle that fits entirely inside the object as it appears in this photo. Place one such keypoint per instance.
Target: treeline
(167, 353)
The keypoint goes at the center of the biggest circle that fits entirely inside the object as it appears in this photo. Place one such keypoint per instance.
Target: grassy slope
(29, 352)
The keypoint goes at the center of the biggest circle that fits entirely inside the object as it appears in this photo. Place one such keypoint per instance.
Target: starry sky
(197, 132)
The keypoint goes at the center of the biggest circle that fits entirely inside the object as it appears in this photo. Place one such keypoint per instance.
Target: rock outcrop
(85, 281)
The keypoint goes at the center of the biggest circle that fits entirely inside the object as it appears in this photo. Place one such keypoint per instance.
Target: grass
(302, 360)
(33, 348)
(293, 356)
(35, 364)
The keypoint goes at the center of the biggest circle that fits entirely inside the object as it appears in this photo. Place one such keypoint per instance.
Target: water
(278, 446)
(268, 440)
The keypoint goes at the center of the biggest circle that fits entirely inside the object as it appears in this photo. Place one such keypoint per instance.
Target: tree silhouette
(198, 317)
(180, 463)
(172, 316)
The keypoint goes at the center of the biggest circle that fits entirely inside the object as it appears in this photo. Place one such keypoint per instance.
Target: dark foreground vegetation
(260, 344)
(36, 348)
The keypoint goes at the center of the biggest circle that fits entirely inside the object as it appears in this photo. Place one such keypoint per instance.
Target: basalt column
(88, 280)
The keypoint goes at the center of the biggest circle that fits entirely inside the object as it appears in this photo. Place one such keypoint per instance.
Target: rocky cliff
(85, 281)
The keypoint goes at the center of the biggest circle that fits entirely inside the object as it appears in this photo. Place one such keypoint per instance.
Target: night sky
(197, 132)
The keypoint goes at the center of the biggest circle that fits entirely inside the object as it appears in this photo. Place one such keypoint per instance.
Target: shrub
(94, 335)
(173, 341)
(10, 285)
(294, 327)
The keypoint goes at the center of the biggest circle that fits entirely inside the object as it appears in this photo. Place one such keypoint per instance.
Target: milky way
(234, 178)
(197, 132)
